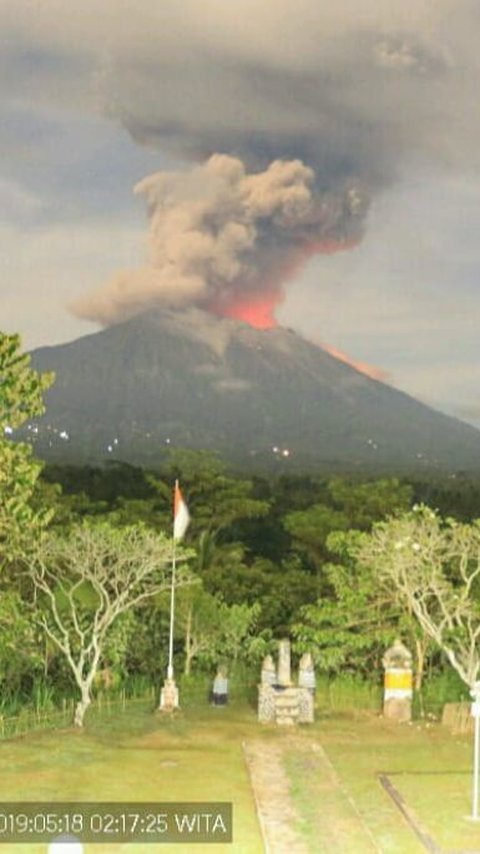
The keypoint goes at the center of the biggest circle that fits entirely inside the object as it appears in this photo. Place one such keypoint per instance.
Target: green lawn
(333, 767)
(338, 794)
(139, 756)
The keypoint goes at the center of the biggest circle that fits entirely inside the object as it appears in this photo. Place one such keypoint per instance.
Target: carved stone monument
(397, 698)
(283, 671)
(279, 700)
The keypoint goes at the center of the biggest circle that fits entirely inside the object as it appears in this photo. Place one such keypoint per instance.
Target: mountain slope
(187, 378)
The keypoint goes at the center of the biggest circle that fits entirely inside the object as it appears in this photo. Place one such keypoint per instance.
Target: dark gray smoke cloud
(357, 92)
(353, 92)
(350, 88)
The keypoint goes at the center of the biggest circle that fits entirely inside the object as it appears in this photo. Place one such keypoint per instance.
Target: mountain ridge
(188, 378)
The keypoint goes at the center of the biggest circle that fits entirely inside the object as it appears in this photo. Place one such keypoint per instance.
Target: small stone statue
(397, 656)
(268, 675)
(306, 673)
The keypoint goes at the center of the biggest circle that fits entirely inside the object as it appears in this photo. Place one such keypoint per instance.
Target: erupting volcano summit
(227, 240)
(260, 397)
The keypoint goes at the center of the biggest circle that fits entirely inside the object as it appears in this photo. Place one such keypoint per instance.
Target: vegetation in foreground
(312, 558)
(341, 565)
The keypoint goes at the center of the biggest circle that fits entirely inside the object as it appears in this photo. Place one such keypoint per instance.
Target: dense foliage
(20, 399)
(278, 544)
(307, 556)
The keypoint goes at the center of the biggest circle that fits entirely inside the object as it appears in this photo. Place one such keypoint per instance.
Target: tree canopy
(85, 579)
(21, 398)
(433, 564)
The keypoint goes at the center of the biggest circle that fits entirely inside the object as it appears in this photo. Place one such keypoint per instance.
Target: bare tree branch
(434, 565)
(88, 577)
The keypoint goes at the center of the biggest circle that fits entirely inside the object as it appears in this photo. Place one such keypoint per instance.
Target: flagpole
(181, 517)
(172, 611)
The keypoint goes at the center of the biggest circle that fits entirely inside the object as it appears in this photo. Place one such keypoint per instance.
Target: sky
(322, 156)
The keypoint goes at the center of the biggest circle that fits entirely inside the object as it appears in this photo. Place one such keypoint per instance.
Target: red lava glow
(257, 309)
(368, 370)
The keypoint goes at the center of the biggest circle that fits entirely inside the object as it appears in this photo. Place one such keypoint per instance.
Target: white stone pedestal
(168, 696)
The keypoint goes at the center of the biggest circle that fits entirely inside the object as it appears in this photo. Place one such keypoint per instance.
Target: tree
(434, 567)
(21, 655)
(310, 529)
(351, 628)
(215, 499)
(197, 619)
(366, 502)
(21, 391)
(84, 579)
(237, 629)
(213, 630)
(346, 505)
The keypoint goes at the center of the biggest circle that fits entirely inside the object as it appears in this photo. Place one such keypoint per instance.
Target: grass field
(139, 756)
(333, 768)
(339, 795)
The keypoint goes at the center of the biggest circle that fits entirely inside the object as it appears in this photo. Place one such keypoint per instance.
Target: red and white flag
(181, 516)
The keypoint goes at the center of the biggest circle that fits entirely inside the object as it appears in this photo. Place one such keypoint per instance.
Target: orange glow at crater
(258, 310)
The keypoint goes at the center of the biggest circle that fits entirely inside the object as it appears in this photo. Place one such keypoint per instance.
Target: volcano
(259, 397)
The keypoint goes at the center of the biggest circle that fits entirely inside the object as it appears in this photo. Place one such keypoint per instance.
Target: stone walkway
(270, 785)
(341, 827)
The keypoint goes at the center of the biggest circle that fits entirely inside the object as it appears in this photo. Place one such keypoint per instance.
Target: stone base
(306, 703)
(266, 703)
(168, 696)
(285, 706)
(398, 709)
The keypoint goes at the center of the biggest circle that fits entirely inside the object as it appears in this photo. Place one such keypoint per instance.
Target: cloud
(45, 268)
(365, 91)
(356, 92)
(221, 236)
(349, 88)
(446, 387)
(17, 203)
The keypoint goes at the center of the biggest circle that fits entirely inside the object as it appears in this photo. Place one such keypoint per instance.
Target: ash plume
(226, 239)
(359, 93)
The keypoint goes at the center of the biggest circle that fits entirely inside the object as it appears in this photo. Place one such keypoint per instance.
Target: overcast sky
(377, 98)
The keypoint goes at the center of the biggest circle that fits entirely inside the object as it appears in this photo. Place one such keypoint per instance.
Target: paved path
(341, 829)
(271, 789)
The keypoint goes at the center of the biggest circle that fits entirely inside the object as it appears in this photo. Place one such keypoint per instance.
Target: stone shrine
(279, 700)
(397, 697)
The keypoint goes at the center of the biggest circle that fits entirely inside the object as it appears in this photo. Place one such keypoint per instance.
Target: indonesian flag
(181, 516)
